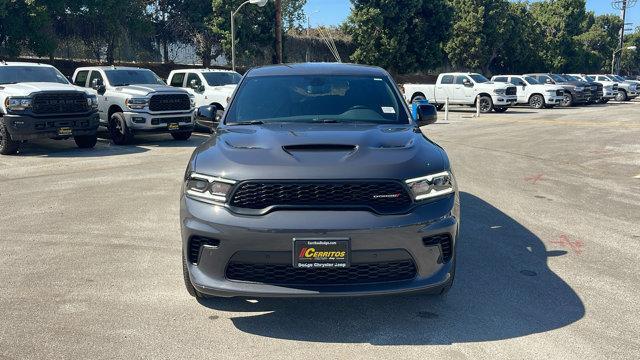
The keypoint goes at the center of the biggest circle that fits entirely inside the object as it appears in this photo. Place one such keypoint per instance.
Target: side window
(500, 79)
(177, 79)
(191, 77)
(95, 74)
(81, 78)
(516, 81)
(460, 79)
(447, 79)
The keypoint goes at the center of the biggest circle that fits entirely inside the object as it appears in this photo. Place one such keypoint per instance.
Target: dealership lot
(547, 260)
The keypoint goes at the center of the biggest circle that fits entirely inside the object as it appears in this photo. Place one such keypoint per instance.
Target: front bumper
(31, 126)
(504, 100)
(159, 123)
(269, 238)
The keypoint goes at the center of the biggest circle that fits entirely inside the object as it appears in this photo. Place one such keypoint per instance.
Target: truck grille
(169, 102)
(379, 196)
(615, 87)
(60, 103)
(559, 92)
(511, 90)
(286, 274)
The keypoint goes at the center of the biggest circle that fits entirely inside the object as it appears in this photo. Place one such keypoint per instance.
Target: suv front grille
(559, 92)
(286, 274)
(60, 103)
(169, 102)
(379, 196)
(511, 90)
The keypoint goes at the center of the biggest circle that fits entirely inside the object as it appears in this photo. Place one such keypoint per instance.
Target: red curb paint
(565, 242)
(533, 179)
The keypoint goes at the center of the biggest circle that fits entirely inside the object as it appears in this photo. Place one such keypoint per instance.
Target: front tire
(8, 146)
(536, 101)
(86, 141)
(567, 100)
(622, 96)
(118, 129)
(439, 107)
(486, 104)
(181, 136)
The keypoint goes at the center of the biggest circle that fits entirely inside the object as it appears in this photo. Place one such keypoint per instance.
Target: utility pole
(621, 5)
(278, 4)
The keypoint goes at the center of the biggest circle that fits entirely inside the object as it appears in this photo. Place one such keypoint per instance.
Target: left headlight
(499, 91)
(136, 103)
(209, 189)
(17, 103)
(192, 100)
(432, 186)
(92, 101)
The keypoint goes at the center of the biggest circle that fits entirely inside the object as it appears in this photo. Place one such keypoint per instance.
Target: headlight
(136, 103)
(579, 88)
(432, 186)
(17, 103)
(552, 91)
(209, 189)
(192, 99)
(92, 101)
(499, 91)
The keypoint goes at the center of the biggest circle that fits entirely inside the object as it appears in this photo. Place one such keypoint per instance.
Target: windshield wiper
(121, 85)
(252, 122)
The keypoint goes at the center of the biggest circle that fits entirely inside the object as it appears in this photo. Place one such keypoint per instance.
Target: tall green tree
(598, 42)
(400, 35)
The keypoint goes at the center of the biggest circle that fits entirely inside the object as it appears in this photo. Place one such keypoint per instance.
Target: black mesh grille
(511, 90)
(195, 244)
(442, 240)
(284, 274)
(381, 197)
(170, 102)
(559, 92)
(60, 103)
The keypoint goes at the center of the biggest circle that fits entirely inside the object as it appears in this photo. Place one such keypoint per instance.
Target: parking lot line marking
(637, 176)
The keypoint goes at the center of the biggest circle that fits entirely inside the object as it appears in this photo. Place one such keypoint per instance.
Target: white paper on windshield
(388, 110)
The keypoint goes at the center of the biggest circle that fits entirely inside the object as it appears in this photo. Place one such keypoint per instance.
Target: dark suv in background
(576, 92)
(318, 182)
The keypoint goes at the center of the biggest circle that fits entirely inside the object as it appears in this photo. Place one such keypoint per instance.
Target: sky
(334, 12)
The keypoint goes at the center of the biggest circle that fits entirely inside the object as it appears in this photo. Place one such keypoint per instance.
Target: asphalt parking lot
(548, 258)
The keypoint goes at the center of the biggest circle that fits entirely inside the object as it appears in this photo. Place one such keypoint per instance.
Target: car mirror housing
(426, 114)
(208, 116)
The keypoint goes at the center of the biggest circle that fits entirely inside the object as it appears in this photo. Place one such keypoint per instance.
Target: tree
(599, 42)
(402, 35)
(25, 25)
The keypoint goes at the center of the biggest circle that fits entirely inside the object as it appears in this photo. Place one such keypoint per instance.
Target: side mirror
(467, 83)
(98, 85)
(208, 116)
(548, 81)
(195, 86)
(426, 114)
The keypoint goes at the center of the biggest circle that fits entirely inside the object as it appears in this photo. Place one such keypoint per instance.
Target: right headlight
(579, 88)
(499, 91)
(432, 186)
(17, 103)
(209, 189)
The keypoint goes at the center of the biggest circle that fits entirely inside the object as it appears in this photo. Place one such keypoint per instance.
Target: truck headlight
(17, 103)
(499, 91)
(136, 103)
(579, 88)
(92, 101)
(208, 189)
(192, 100)
(432, 186)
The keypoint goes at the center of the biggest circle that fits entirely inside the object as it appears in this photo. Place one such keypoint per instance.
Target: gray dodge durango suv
(318, 182)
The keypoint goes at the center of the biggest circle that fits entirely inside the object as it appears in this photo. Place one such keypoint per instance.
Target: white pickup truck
(135, 100)
(464, 89)
(37, 101)
(532, 92)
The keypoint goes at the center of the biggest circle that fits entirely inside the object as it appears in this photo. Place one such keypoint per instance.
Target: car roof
(317, 69)
(205, 70)
(506, 75)
(17, 63)
(111, 68)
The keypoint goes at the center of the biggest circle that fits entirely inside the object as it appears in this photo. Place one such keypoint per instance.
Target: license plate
(174, 126)
(65, 131)
(321, 253)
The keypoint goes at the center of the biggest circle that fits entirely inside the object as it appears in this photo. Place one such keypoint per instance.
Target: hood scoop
(319, 148)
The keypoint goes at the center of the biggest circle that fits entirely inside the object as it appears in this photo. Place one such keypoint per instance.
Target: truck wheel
(187, 281)
(417, 98)
(439, 107)
(567, 99)
(536, 101)
(486, 104)
(118, 129)
(86, 141)
(185, 135)
(7, 145)
(622, 95)
(500, 109)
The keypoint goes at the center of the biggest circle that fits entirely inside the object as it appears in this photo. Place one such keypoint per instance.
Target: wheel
(7, 145)
(86, 141)
(500, 109)
(439, 107)
(184, 135)
(536, 101)
(417, 98)
(622, 95)
(567, 100)
(118, 129)
(486, 104)
(187, 281)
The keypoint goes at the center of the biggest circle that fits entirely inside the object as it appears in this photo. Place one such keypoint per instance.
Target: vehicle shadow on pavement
(503, 290)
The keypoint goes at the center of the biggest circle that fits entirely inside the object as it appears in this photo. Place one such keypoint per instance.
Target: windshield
(558, 78)
(618, 78)
(531, 81)
(589, 78)
(479, 78)
(570, 77)
(316, 98)
(123, 77)
(221, 78)
(18, 74)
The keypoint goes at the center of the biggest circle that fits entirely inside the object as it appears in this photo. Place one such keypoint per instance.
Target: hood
(27, 88)
(550, 87)
(146, 89)
(318, 151)
(495, 85)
